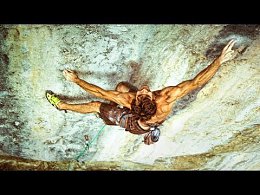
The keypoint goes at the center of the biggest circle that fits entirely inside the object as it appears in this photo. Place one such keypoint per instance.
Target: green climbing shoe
(52, 98)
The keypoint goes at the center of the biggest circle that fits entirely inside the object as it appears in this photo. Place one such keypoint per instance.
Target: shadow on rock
(242, 34)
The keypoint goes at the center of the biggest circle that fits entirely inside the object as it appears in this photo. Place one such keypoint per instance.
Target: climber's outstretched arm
(176, 92)
(111, 95)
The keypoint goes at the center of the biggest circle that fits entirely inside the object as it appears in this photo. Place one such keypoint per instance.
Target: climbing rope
(87, 146)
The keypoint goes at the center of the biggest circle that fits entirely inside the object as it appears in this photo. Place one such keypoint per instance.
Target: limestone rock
(213, 128)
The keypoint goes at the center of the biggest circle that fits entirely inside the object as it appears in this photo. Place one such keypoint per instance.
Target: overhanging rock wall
(216, 127)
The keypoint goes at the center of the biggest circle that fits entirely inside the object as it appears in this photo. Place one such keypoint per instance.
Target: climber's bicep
(175, 92)
(120, 98)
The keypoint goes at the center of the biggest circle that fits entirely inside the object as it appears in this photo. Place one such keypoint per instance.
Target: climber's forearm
(91, 88)
(174, 92)
(182, 89)
(205, 75)
(201, 79)
(123, 99)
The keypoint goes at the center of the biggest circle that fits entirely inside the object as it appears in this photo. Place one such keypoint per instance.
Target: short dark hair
(145, 109)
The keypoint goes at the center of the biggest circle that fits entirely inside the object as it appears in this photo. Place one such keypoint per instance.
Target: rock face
(213, 128)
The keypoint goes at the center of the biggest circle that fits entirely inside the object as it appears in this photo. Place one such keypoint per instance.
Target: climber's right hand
(227, 52)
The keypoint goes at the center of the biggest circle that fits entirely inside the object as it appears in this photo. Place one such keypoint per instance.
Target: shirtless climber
(139, 111)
